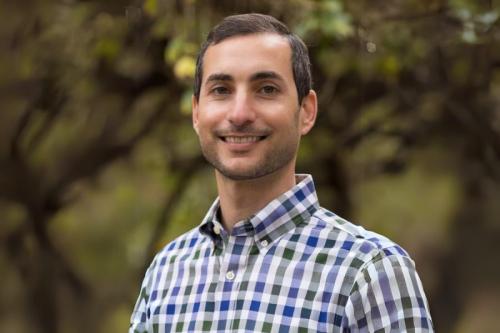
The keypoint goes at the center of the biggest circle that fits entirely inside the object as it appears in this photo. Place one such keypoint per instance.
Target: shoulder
(185, 242)
(180, 248)
(382, 278)
(353, 239)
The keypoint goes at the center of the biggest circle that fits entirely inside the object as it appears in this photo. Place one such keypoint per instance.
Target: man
(267, 257)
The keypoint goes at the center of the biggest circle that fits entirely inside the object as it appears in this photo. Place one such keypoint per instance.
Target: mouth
(242, 139)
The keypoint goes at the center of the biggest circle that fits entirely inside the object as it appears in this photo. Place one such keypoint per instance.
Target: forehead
(242, 56)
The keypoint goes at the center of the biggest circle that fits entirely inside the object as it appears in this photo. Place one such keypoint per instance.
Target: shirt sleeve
(387, 296)
(139, 321)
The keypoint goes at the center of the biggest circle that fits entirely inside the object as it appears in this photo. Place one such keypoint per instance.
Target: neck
(239, 199)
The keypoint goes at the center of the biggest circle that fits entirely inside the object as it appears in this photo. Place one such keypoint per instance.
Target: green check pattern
(292, 267)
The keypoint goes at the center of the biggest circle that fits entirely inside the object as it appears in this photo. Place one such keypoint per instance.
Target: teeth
(242, 139)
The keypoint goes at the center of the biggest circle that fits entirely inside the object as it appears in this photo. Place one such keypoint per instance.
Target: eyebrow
(255, 77)
(219, 77)
(266, 75)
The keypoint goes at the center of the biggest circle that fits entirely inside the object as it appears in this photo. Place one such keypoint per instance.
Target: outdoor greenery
(100, 167)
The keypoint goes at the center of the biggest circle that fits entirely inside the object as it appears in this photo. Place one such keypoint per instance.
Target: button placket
(228, 272)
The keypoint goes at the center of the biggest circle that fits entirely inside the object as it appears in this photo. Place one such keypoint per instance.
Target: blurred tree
(100, 168)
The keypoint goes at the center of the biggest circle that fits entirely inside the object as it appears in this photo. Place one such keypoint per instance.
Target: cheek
(211, 116)
(289, 120)
(206, 128)
(205, 120)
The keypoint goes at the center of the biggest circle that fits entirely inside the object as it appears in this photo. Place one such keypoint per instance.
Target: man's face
(247, 117)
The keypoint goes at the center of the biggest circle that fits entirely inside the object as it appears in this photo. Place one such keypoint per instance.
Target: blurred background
(100, 167)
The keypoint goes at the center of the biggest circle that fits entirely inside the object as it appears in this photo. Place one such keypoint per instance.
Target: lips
(242, 139)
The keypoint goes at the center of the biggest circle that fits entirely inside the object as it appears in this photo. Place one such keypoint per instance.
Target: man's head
(248, 113)
(246, 24)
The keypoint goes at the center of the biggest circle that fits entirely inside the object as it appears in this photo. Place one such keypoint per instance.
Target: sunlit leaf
(107, 48)
(469, 34)
(488, 18)
(151, 7)
(185, 67)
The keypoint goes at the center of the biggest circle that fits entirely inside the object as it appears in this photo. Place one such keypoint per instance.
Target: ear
(308, 112)
(194, 112)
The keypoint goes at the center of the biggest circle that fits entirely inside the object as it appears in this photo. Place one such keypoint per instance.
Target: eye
(268, 90)
(220, 90)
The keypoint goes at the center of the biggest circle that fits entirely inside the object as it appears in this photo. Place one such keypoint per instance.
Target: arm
(139, 321)
(387, 296)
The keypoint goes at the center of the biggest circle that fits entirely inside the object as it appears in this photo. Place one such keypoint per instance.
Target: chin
(246, 173)
(239, 174)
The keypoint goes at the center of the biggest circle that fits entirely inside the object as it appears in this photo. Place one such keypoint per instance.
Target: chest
(282, 288)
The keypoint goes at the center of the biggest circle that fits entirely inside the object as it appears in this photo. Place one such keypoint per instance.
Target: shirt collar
(278, 217)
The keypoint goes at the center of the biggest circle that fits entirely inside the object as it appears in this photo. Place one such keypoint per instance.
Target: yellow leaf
(151, 7)
(185, 67)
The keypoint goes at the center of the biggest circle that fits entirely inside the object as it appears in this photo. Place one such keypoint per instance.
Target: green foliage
(475, 19)
(325, 18)
(100, 166)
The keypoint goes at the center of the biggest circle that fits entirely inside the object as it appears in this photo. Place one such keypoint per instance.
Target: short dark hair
(246, 24)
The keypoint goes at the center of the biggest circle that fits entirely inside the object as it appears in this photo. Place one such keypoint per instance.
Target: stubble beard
(275, 158)
(272, 161)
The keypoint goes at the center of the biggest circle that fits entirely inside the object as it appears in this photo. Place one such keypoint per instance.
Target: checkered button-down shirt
(291, 267)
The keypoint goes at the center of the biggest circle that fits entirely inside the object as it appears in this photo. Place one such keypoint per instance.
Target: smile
(242, 139)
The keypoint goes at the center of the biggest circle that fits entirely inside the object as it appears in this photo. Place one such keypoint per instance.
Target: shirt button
(230, 275)
(264, 243)
(216, 229)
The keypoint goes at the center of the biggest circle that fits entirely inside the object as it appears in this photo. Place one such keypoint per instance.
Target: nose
(242, 111)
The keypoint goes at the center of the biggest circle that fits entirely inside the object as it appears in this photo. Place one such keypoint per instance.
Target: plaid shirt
(291, 267)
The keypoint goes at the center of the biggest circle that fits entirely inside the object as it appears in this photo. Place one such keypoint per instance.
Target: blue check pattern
(292, 267)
